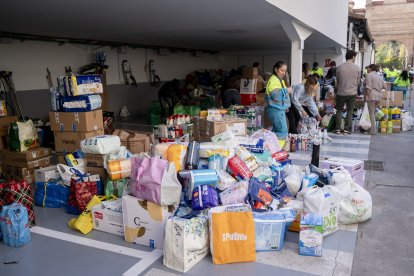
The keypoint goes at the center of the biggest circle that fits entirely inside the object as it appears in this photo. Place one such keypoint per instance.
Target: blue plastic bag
(14, 225)
(52, 194)
(258, 196)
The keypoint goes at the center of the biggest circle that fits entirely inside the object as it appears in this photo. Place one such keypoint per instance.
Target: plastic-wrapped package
(204, 197)
(236, 193)
(225, 180)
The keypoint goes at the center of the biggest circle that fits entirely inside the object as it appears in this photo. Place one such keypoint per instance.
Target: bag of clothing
(22, 136)
(204, 197)
(232, 237)
(82, 103)
(20, 193)
(157, 182)
(186, 241)
(14, 225)
(52, 194)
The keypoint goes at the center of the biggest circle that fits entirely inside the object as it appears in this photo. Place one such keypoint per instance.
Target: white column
(296, 57)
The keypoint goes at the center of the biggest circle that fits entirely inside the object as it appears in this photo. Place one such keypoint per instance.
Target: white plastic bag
(324, 201)
(365, 121)
(407, 121)
(293, 178)
(66, 173)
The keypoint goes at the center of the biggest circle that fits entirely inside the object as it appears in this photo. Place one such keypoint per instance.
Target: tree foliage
(391, 53)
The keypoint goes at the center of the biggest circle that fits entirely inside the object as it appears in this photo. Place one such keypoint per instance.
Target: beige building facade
(392, 20)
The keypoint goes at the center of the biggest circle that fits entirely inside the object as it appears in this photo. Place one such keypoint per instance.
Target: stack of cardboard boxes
(70, 128)
(250, 84)
(21, 165)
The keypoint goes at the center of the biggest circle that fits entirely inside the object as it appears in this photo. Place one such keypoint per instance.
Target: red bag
(19, 192)
(81, 192)
(280, 155)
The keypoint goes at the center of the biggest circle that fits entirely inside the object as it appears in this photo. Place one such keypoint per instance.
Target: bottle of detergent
(389, 127)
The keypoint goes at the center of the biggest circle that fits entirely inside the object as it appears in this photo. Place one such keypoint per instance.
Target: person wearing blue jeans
(278, 100)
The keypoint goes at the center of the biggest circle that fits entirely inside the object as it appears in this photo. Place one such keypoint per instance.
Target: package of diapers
(102, 144)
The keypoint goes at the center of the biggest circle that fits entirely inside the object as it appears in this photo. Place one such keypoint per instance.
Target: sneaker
(337, 132)
(346, 132)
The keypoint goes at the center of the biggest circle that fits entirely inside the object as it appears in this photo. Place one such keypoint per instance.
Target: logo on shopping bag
(234, 237)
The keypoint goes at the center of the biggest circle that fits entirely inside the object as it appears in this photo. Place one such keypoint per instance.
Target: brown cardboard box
(135, 142)
(261, 98)
(97, 170)
(248, 86)
(24, 157)
(5, 123)
(14, 173)
(394, 98)
(70, 141)
(76, 121)
(61, 158)
(95, 160)
(39, 163)
(396, 126)
(250, 73)
(204, 130)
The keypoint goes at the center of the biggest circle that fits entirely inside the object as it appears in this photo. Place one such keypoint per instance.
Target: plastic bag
(356, 206)
(407, 121)
(14, 225)
(293, 178)
(365, 121)
(23, 136)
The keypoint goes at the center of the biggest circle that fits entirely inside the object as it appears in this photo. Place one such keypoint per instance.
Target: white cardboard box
(144, 221)
(248, 86)
(106, 220)
(351, 165)
(46, 174)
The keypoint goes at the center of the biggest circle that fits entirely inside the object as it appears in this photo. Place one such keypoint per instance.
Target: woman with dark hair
(277, 97)
(372, 95)
(328, 83)
(402, 83)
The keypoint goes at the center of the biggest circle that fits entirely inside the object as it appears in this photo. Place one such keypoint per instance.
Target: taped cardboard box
(39, 163)
(248, 86)
(15, 173)
(106, 220)
(95, 160)
(144, 221)
(250, 73)
(76, 121)
(396, 126)
(392, 98)
(135, 142)
(26, 156)
(70, 141)
(5, 123)
(97, 170)
(204, 130)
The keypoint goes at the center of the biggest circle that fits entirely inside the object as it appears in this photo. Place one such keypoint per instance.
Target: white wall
(329, 17)
(28, 61)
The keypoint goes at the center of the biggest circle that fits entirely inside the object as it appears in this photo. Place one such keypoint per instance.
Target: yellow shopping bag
(83, 222)
(232, 237)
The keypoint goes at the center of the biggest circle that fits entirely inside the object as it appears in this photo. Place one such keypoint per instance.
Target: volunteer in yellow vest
(278, 100)
(316, 69)
(391, 74)
(402, 83)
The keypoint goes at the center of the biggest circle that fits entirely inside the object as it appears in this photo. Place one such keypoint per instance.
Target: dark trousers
(293, 118)
(350, 105)
(231, 97)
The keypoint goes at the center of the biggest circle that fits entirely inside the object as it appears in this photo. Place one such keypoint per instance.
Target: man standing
(347, 76)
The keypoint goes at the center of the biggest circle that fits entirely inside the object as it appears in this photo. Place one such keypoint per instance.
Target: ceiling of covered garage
(216, 25)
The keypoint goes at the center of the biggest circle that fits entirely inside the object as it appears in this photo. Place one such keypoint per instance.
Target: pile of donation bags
(232, 197)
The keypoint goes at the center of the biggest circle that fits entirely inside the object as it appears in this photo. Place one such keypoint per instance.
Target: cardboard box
(70, 141)
(15, 173)
(393, 98)
(97, 170)
(353, 166)
(61, 158)
(144, 221)
(26, 156)
(396, 126)
(76, 121)
(135, 142)
(204, 129)
(38, 163)
(248, 86)
(106, 220)
(261, 98)
(95, 160)
(46, 174)
(5, 123)
(250, 73)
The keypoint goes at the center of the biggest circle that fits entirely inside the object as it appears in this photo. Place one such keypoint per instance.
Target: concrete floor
(385, 244)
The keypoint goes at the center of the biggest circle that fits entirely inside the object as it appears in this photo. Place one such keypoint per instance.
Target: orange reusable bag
(232, 237)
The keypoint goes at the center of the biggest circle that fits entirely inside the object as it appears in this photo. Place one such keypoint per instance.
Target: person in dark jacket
(169, 95)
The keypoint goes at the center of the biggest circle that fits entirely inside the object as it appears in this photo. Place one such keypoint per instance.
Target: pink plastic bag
(157, 182)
